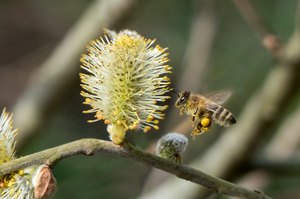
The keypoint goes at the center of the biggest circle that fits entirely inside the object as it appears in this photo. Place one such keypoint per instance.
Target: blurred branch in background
(286, 140)
(195, 62)
(61, 68)
(11, 71)
(255, 179)
(198, 51)
(199, 47)
(281, 155)
(259, 115)
(92, 146)
(269, 40)
(282, 152)
(290, 166)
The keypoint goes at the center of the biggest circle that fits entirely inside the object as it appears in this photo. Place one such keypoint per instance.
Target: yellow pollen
(82, 58)
(11, 182)
(119, 122)
(125, 41)
(205, 122)
(150, 118)
(21, 172)
(168, 67)
(147, 129)
(159, 48)
(156, 127)
(88, 100)
(133, 126)
(166, 78)
(156, 121)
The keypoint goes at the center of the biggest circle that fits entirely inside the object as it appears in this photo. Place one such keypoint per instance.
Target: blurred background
(212, 47)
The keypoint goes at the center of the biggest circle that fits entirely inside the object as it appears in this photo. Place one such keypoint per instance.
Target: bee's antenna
(176, 91)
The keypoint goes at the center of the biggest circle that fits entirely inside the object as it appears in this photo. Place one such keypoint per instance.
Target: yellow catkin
(127, 81)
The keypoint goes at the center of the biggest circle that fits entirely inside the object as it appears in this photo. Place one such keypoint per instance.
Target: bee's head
(182, 98)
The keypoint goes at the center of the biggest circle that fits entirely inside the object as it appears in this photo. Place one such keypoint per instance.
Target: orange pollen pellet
(99, 116)
(107, 122)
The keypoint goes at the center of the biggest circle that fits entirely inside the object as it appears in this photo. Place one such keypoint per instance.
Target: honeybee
(205, 110)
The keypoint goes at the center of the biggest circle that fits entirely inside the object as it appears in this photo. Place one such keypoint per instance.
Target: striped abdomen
(222, 116)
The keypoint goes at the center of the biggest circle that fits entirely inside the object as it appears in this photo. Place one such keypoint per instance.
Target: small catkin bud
(43, 181)
(171, 145)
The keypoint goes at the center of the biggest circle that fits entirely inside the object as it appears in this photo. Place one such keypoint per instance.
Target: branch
(285, 166)
(269, 40)
(92, 146)
(201, 39)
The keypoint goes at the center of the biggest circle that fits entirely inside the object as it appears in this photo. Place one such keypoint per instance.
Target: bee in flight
(205, 110)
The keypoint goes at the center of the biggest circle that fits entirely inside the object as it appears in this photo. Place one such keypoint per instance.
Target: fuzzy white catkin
(171, 145)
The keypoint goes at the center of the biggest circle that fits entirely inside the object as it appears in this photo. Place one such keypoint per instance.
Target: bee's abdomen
(223, 117)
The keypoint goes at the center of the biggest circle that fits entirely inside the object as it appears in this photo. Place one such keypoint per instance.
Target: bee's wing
(219, 97)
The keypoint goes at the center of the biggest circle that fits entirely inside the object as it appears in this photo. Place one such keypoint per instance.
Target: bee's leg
(203, 125)
(194, 114)
(195, 132)
(193, 124)
(181, 110)
(198, 129)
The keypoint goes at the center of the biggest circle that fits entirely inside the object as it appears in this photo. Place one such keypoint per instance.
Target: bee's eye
(182, 99)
